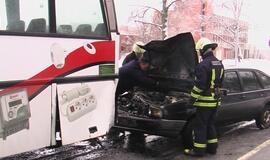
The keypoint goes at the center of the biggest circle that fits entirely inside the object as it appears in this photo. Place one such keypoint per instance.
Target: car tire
(187, 137)
(263, 120)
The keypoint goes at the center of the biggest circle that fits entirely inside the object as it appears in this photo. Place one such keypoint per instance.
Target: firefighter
(205, 95)
(134, 74)
(137, 51)
(131, 74)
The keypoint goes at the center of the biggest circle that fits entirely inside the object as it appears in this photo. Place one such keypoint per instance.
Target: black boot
(191, 152)
(213, 152)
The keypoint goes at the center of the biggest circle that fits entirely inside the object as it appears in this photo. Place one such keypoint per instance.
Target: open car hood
(174, 57)
(173, 63)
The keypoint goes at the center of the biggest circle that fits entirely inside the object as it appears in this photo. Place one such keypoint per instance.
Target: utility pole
(164, 19)
(203, 5)
(236, 48)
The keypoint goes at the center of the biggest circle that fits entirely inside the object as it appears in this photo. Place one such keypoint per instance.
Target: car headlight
(155, 112)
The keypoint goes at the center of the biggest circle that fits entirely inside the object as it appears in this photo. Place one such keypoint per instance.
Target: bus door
(55, 57)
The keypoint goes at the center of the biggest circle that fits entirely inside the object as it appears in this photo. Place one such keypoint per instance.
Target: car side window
(264, 79)
(249, 80)
(231, 82)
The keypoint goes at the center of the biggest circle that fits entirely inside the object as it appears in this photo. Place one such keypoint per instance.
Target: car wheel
(263, 120)
(187, 137)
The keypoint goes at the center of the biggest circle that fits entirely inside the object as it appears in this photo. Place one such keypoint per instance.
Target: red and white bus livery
(57, 58)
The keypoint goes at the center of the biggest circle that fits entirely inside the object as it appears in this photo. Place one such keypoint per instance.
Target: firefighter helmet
(203, 44)
(137, 48)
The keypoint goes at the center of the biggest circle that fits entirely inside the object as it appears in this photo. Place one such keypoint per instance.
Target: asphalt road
(234, 142)
(261, 155)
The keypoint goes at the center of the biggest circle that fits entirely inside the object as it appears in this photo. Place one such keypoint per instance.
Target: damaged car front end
(153, 104)
(162, 111)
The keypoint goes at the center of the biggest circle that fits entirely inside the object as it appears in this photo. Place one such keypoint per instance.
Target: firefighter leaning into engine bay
(137, 52)
(134, 73)
(205, 95)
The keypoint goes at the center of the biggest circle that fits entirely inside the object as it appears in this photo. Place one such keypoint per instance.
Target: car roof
(248, 64)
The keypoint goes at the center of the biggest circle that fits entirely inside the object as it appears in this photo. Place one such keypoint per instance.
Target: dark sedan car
(166, 113)
(248, 97)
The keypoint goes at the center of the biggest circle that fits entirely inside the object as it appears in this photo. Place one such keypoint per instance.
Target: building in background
(128, 35)
(197, 17)
(222, 30)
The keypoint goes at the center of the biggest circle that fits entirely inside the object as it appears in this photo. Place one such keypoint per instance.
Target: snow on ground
(260, 64)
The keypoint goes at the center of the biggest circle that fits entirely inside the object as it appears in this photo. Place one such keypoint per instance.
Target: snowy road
(234, 142)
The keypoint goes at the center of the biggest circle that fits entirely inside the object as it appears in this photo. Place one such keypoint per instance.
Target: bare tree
(234, 28)
(162, 14)
(236, 8)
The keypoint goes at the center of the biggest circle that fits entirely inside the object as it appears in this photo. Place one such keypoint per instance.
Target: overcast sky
(125, 7)
(255, 12)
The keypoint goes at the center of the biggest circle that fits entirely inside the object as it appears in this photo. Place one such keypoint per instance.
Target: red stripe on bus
(105, 52)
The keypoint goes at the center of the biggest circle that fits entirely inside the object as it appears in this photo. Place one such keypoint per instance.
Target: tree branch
(153, 24)
(219, 36)
(233, 45)
(172, 3)
(148, 7)
(223, 25)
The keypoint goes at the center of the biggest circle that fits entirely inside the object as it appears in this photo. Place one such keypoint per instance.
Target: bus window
(80, 17)
(24, 16)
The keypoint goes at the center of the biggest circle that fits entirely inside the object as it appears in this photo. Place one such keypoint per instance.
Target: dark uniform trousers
(205, 135)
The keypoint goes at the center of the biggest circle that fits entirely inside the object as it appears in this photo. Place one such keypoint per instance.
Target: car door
(252, 92)
(228, 111)
(265, 93)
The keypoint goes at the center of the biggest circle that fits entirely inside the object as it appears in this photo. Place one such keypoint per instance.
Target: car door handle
(262, 94)
(243, 96)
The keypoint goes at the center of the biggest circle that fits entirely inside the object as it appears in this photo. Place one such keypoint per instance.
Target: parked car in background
(248, 97)
(166, 113)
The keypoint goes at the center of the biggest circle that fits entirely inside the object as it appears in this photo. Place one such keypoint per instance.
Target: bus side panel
(23, 57)
(37, 132)
(42, 60)
(86, 110)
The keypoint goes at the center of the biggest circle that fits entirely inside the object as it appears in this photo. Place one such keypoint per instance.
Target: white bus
(57, 58)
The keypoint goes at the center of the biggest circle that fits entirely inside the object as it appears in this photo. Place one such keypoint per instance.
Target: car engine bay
(151, 104)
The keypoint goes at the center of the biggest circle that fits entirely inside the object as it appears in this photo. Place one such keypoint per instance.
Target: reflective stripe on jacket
(208, 77)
